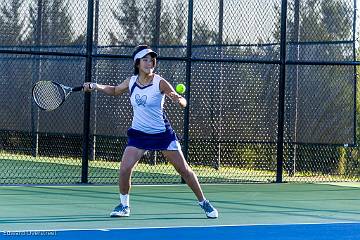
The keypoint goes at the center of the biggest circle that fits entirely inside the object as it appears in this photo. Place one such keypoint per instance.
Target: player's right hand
(89, 86)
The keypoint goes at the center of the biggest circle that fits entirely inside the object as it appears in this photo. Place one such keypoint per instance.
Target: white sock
(202, 202)
(124, 199)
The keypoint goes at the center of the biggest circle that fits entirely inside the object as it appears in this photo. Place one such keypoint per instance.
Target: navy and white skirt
(160, 141)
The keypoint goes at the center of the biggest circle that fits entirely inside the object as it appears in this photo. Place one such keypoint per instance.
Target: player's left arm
(168, 90)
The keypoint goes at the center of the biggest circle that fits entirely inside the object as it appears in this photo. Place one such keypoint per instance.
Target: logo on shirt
(140, 100)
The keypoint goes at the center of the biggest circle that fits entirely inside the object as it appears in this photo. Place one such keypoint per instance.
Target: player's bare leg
(177, 159)
(129, 160)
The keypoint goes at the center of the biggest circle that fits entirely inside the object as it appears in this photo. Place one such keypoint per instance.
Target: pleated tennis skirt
(159, 141)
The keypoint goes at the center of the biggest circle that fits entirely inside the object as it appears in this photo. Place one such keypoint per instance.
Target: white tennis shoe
(210, 211)
(120, 211)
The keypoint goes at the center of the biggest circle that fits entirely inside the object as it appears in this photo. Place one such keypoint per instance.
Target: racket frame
(66, 90)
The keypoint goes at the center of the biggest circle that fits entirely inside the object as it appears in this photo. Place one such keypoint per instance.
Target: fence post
(188, 81)
(220, 42)
(156, 36)
(87, 96)
(294, 55)
(36, 72)
(95, 49)
(355, 72)
(282, 78)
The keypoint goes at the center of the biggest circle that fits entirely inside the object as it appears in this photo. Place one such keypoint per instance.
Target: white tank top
(147, 103)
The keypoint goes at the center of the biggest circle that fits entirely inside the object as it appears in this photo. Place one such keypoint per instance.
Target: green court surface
(88, 207)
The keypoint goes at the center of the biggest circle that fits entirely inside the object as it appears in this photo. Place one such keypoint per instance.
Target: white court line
(342, 184)
(181, 227)
(134, 185)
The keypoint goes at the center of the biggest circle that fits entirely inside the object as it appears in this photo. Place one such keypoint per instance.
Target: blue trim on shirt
(166, 122)
(137, 85)
(132, 88)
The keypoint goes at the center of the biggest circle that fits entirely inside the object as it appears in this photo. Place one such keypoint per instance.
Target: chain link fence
(272, 88)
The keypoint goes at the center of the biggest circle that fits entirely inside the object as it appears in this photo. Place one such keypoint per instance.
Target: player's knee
(186, 172)
(125, 170)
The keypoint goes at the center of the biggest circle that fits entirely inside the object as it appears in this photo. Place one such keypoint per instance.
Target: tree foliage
(319, 20)
(54, 26)
(137, 24)
(128, 18)
(11, 23)
(203, 34)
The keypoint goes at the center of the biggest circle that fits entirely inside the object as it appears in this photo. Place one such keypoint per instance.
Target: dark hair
(137, 62)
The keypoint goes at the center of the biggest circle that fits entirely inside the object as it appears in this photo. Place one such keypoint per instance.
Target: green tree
(55, 26)
(11, 23)
(137, 25)
(319, 20)
(172, 29)
(202, 34)
(128, 17)
(325, 20)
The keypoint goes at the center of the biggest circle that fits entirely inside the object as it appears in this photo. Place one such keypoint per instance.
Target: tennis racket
(49, 95)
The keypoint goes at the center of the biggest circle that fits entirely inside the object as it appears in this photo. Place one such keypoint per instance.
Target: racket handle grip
(77, 89)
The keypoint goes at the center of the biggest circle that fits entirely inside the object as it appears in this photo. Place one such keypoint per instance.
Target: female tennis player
(150, 130)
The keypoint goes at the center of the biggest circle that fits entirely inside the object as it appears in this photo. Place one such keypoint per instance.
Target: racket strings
(48, 95)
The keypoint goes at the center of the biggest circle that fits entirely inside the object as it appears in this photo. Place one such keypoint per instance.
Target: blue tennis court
(330, 231)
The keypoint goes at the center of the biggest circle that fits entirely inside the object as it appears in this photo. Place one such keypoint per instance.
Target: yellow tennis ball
(180, 88)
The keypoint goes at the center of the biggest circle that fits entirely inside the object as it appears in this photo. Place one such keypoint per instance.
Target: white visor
(143, 53)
